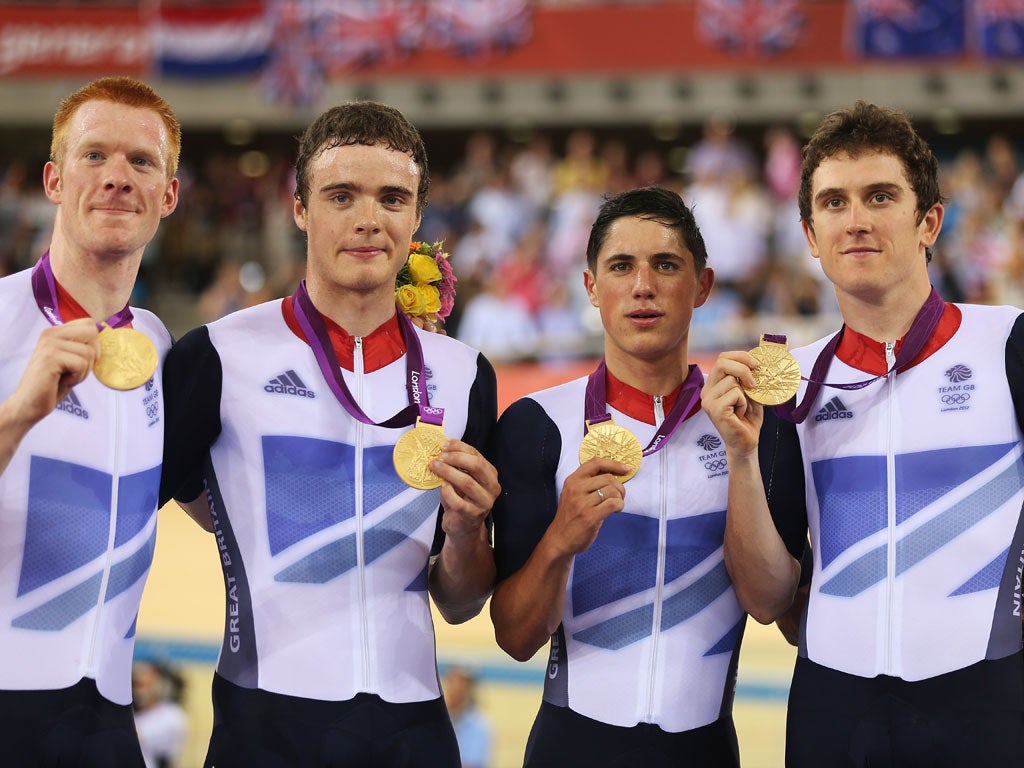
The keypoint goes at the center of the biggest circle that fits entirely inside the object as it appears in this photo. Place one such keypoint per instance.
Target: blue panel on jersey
(338, 557)
(131, 630)
(925, 476)
(323, 565)
(127, 572)
(309, 487)
(730, 640)
(987, 578)
(691, 540)
(136, 502)
(68, 520)
(622, 561)
(391, 532)
(864, 572)
(419, 584)
(851, 499)
(636, 624)
(57, 613)
(947, 525)
(696, 597)
(620, 631)
(380, 481)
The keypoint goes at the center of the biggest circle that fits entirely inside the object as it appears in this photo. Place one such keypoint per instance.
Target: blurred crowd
(515, 218)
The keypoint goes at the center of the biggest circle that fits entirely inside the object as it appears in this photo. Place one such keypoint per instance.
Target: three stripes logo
(289, 383)
(72, 405)
(833, 409)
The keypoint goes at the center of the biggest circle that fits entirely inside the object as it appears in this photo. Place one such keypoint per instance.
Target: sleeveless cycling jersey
(915, 485)
(652, 628)
(324, 549)
(77, 518)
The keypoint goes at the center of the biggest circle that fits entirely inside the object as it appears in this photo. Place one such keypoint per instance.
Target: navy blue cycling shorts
(969, 718)
(259, 729)
(69, 727)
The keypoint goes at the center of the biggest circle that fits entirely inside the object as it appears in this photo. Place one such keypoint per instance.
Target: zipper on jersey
(890, 505)
(90, 670)
(659, 579)
(358, 369)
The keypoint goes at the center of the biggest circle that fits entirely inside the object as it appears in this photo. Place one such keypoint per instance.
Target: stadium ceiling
(983, 92)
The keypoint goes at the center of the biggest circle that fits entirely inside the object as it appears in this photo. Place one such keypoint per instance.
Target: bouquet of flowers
(425, 286)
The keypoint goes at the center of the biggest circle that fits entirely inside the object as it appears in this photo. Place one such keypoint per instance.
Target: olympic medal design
(413, 453)
(127, 358)
(777, 377)
(607, 440)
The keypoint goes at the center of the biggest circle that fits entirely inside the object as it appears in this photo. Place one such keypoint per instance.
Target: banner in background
(900, 29)
(999, 28)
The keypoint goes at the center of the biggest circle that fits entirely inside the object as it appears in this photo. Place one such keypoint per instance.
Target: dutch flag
(216, 41)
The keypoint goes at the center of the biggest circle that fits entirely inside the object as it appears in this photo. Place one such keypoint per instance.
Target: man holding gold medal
(903, 457)
(332, 443)
(608, 532)
(81, 434)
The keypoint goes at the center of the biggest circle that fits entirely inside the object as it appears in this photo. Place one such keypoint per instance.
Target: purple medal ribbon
(320, 341)
(44, 289)
(920, 331)
(596, 405)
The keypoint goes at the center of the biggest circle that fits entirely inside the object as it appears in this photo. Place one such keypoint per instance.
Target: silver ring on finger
(600, 494)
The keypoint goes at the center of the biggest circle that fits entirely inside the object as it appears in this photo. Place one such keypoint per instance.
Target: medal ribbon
(44, 289)
(320, 341)
(596, 405)
(920, 331)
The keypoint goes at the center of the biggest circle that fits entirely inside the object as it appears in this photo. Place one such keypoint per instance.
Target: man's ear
(299, 214)
(812, 241)
(51, 181)
(588, 282)
(704, 283)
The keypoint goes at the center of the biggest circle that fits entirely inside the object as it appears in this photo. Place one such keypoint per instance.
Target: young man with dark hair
(623, 572)
(904, 459)
(80, 461)
(328, 555)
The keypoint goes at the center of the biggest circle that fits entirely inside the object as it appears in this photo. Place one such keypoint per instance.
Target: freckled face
(111, 185)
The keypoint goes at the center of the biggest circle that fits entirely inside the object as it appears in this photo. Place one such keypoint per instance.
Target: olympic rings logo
(958, 398)
(716, 466)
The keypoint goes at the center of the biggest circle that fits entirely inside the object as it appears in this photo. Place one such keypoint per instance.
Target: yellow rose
(411, 300)
(431, 299)
(423, 269)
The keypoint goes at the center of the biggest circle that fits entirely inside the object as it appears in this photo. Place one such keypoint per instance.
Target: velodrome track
(183, 612)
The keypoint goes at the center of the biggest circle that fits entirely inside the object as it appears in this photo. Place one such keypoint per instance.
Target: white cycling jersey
(652, 628)
(324, 548)
(77, 518)
(915, 486)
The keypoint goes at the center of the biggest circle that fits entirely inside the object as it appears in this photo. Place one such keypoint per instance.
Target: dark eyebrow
(347, 186)
(828, 193)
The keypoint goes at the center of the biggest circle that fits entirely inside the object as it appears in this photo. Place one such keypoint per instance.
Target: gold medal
(777, 377)
(127, 358)
(607, 440)
(413, 453)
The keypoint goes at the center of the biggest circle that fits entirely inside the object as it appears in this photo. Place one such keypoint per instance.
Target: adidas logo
(289, 383)
(833, 409)
(71, 404)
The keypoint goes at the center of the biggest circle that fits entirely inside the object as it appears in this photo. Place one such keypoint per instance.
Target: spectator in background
(162, 723)
(472, 729)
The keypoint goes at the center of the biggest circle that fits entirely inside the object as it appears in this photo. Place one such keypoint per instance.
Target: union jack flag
(474, 27)
(754, 26)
